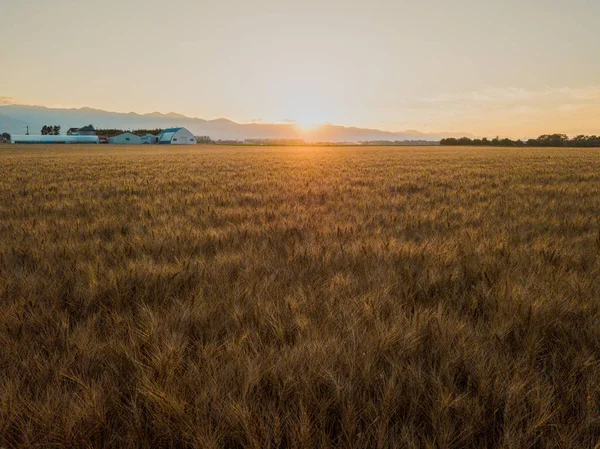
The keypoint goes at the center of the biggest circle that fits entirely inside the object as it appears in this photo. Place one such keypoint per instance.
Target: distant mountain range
(15, 118)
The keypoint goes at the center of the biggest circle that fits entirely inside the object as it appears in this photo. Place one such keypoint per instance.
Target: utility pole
(28, 130)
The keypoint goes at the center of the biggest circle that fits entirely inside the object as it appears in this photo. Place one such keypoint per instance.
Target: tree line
(52, 130)
(546, 140)
(139, 132)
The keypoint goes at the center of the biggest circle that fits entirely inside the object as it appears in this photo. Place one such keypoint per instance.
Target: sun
(308, 118)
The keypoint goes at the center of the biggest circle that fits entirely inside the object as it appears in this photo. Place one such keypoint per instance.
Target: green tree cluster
(108, 132)
(51, 130)
(114, 131)
(141, 132)
(546, 140)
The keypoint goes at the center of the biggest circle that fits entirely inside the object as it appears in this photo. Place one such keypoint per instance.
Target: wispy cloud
(514, 96)
(513, 111)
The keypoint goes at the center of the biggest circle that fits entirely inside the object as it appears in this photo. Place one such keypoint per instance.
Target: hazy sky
(510, 67)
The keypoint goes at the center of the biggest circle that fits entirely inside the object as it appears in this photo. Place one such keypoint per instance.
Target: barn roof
(169, 130)
(124, 132)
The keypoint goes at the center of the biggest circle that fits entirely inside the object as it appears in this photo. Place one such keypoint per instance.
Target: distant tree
(579, 141)
(552, 140)
(545, 140)
(50, 130)
(141, 132)
(108, 132)
(451, 141)
(203, 139)
(585, 141)
(6, 136)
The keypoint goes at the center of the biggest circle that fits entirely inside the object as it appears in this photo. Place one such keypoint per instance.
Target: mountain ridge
(14, 118)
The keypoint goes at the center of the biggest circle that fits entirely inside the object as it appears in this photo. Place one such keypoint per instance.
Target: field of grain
(247, 297)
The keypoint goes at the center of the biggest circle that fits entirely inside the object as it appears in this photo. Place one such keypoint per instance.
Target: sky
(516, 68)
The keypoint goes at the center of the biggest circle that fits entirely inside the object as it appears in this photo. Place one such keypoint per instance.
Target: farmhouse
(85, 131)
(176, 136)
(125, 138)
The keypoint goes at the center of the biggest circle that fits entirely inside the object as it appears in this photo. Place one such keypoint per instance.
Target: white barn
(125, 138)
(46, 139)
(176, 136)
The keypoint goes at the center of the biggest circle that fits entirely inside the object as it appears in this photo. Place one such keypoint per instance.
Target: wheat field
(248, 297)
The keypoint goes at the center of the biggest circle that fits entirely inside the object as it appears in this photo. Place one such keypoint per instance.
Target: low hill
(14, 119)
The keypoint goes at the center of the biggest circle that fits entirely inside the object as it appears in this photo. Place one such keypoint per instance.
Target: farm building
(85, 131)
(149, 138)
(176, 136)
(53, 139)
(125, 138)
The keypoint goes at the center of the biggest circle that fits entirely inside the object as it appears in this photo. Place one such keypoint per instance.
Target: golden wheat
(247, 297)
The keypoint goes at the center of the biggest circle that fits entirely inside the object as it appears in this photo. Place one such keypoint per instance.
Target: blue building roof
(168, 130)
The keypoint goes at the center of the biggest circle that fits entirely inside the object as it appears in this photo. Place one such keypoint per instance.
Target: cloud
(6, 100)
(513, 96)
(256, 120)
(511, 111)
(288, 120)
